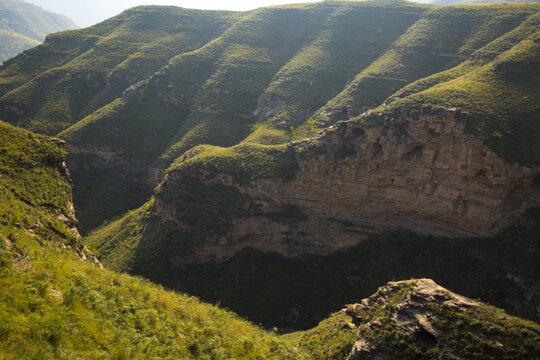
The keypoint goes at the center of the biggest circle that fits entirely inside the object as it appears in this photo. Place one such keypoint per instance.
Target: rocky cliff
(417, 170)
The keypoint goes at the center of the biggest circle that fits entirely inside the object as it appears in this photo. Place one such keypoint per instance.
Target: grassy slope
(499, 99)
(73, 82)
(292, 63)
(441, 39)
(54, 306)
(332, 339)
(12, 43)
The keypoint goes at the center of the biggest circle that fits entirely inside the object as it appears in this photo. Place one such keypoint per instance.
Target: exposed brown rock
(419, 172)
(413, 314)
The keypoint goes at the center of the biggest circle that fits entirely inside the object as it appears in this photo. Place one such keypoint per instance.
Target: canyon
(418, 171)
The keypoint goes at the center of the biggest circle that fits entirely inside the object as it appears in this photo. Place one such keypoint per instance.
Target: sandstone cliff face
(417, 171)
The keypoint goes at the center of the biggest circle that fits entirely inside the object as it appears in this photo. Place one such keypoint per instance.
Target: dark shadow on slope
(297, 293)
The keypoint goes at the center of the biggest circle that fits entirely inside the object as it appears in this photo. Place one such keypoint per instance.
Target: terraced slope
(263, 77)
(23, 25)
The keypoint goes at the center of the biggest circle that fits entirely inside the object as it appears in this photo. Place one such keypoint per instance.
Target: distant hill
(479, 2)
(12, 43)
(23, 25)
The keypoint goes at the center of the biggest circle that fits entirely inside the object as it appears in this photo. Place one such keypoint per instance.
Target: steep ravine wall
(418, 171)
(129, 182)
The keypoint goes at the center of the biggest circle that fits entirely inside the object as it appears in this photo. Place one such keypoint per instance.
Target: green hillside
(24, 25)
(55, 306)
(13, 43)
(132, 94)
(479, 2)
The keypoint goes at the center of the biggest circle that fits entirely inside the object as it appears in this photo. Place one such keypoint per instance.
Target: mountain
(261, 150)
(446, 171)
(221, 78)
(57, 302)
(23, 25)
(479, 2)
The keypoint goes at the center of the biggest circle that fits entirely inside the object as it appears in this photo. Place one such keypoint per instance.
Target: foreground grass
(53, 305)
(64, 308)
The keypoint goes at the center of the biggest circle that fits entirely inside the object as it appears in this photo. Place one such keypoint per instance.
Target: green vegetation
(441, 39)
(55, 306)
(479, 332)
(65, 309)
(23, 25)
(34, 178)
(332, 339)
(221, 94)
(136, 92)
(12, 43)
(244, 162)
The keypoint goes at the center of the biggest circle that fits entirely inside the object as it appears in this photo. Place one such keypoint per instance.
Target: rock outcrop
(420, 319)
(418, 171)
(413, 314)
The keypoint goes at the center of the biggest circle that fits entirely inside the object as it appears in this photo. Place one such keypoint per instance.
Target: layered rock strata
(418, 171)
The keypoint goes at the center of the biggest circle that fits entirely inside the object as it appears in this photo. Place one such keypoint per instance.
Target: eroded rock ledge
(414, 308)
(418, 171)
